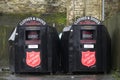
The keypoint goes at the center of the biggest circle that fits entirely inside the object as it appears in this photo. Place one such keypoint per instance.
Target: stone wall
(79, 8)
(94, 8)
(22, 6)
(75, 8)
(26, 6)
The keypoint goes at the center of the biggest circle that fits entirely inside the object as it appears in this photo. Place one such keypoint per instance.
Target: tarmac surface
(9, 76)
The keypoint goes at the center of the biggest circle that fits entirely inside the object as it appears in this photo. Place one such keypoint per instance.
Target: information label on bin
(32, 46)
(88, 46)
(33, 59)
(88, 58)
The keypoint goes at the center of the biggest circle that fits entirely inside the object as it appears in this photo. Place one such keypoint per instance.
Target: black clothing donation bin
(86, 47)
(34, 47)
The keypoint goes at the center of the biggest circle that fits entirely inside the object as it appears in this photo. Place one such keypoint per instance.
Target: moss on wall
(5, 32)
(59, 19)
(113, 25)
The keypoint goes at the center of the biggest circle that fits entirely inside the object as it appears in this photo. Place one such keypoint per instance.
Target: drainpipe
(103, 10)
(73, 9)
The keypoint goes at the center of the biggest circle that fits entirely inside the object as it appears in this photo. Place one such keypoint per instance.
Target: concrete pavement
(8, 76)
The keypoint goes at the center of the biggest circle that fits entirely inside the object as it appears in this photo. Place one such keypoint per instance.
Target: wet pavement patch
(8, 76)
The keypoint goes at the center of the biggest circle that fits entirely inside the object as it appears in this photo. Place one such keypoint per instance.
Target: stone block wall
(75, 8)
(79, 8)
(28, 6)
(22, 6)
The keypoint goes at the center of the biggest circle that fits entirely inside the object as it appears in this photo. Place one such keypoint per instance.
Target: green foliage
(59, 19)
(116, 75)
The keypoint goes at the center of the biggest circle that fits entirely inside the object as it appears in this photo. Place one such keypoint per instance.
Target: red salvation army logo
(33, 59)
(88, 58)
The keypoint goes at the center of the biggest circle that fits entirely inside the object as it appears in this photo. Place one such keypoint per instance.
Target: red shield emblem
(33, 59)
(88, 58)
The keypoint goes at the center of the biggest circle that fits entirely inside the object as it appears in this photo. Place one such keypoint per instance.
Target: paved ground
(8, 76)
